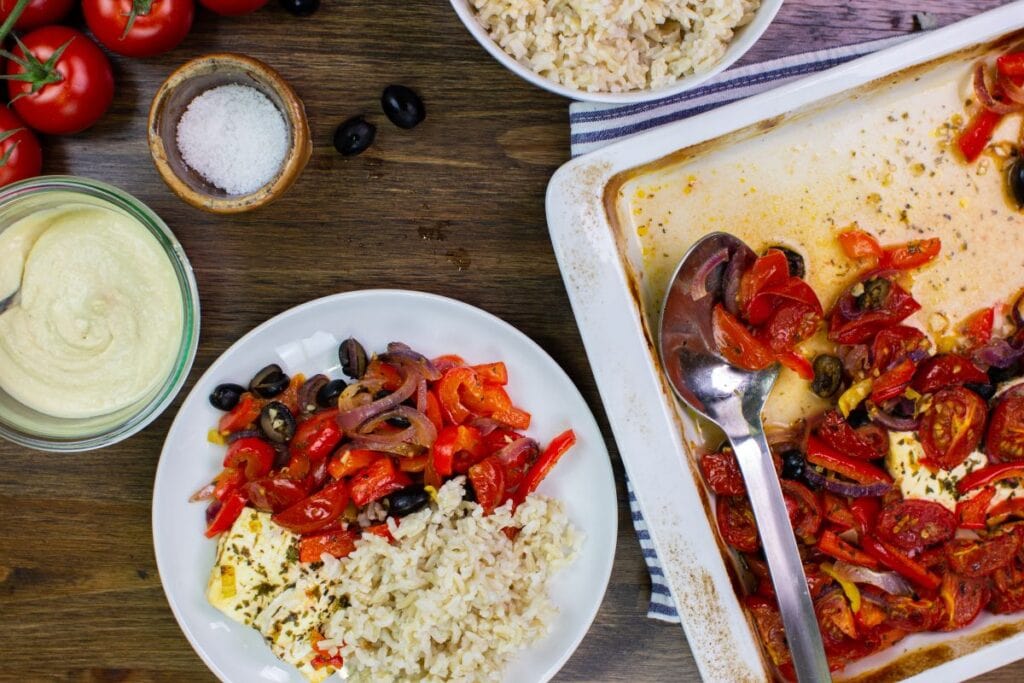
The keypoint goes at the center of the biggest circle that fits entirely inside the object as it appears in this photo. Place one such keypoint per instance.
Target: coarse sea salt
(234, 137)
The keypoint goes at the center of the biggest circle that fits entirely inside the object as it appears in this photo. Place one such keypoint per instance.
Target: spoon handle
(780, 549)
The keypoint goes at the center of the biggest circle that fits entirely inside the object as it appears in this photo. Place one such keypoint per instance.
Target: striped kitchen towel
(595, 125)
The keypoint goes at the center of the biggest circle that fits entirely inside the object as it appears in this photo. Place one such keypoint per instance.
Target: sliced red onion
(211, 511)
(855, 359)
(699, 287)
(782, 439)
(892, 422)
(421, 396)
(350, 420)
(981, 90)
(446, 364)
(740, 263)
(998, 353)
(306, 395)
(420, 433)
(1012, 91)
(890, 582)
(513, 453)
(205, 493)
(400, 354)
(485, 425)
(243, 434)
(845, 488)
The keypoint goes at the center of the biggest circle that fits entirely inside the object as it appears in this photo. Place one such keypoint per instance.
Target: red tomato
(222, 514)
(231, 8)
(895, 344)
(379, 479)
(488, 480)
(315, 512)
(981, 557)
(977, 329)
(849, 324)
(804, 507)
(946, 370)
(1010, 64)
(81, 86)
(868, 441)
(952, 427)
(910, 255)
(251, 454)
(770, 270)
(894, 381)
(913, 525)
(316, 437)
(274, 494)
(788, 325)
(722, 473)
(37, 12)
(21, 156)
(792, 290)
(336, 543)
(241, 416)
(858, 244)
(736, 344)
(736, 523)
(835, 618)
(1005, 440)
(139, 28)
(228, 481)
(769, 626)
(912, 616)
(798, 363)
(833, 546)
(963, 598)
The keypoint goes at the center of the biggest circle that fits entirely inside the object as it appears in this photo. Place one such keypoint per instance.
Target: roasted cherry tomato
(980, 557)
(963, 598)
(770, 270)
(736, 523)
(231, 8)
(912, 616)
(911, 255)
(972, 512)
(975, 137)
(894, 381)
(544, 464)
(821, 454)
(379, 479)
(139, 28)
(804, 508)
(952, 427)
(736, 343)
(790, 291)
(913, 525)
(769, 625)
(854, 320)
(868, 441)
(252, 455)
(835, 617)
(487, 478)
(835, 547)
(37, 12)
(335, 543)
(788, 325)
(228, 481)
(1010, 64)
(317, 436)
(895, 344)
(946, 370)
(858, 245)
(243, 415)
(59, 81)
(1005, 439)
(315, 512)
(221, 515)
(274, 493)
(722, 473)
(21, 156)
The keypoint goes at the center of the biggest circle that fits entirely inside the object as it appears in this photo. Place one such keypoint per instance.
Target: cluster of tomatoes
(880, 566)
(60, 81)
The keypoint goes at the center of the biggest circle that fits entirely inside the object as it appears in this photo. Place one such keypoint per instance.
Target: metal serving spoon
(733, 399)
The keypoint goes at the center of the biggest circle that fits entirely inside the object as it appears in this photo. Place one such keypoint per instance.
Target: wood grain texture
(454, 207)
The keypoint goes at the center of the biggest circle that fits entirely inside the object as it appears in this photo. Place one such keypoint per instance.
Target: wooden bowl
(192, 79)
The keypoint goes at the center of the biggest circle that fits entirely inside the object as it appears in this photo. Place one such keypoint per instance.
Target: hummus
(91, 317)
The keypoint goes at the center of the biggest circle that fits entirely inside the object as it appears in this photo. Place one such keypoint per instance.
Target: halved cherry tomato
(348, 461)
(977, 328)
(229, 480)
(894, 381)
(335, 543)
(788, 325)
(379, 479)
(1005, 440)
(768, 621)
(495, 373)
(736, 523)
(244, 414)
(848, 324)
(804, 508)
(858, 244)
(895, 344)
(488, 480)
(975, 137)
(913, 525)
(963, 598)
(790, 290)
(818, 453)
(451, 440)
(770, 270)
(547, 460)
(946, 370)
(252, 455)
(452, 386)
(981, 557)
(900, 563)
(833, 546)
(317, 511)
(722, 473)
(835, 617)
(912, 616)
(224, 513)
(911, 255)
(952, 427)
(317, 436)
(867, 441)
(274, 494)
(972, 512)
(735, 342)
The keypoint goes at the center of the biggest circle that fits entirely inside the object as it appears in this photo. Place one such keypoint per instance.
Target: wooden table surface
(454, 207)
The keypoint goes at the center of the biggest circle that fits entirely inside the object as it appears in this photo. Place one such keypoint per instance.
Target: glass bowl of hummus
(99, 314)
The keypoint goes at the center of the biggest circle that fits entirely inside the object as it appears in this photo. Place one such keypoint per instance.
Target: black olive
(858, 417)
(876, 291)
(793, 464)
(353, 358)
(402, 106)
(269, 382)
(795, 261)
(1015, 181)
(1000, 375)
(354, 136)
(986, 391)
(828, 375)
(408, 500)
(277, 422)
(328, 395)
(399, 422)
(226, 396)
(301, 8)
(468, 492)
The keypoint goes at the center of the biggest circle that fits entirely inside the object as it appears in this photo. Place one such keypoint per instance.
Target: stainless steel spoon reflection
(733, 399)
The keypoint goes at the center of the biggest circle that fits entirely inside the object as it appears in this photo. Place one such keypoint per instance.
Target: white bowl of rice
(616, 51)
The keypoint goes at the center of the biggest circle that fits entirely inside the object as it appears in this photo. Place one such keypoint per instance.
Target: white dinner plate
(305, 339)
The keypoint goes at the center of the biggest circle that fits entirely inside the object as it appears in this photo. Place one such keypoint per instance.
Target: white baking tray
(656, 438)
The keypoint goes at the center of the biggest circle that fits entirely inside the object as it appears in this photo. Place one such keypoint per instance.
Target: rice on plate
(602, 46)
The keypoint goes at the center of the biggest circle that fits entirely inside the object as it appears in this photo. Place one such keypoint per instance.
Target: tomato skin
(316, 437)
(911, 255)
(971, 513)
(232, 8)
(274, 494)
(228, 511)
(952, 427)
(769, 625)
(736, 523)
(488, 480)
(379, 479)
(895, 344)
(849, 325)
(804, 507)
(252, 454)
(37, 12)
(868, 442)
(1011, 64)
(79, 99)
(316, 512)
(964, 599)
(912, 616)
(160, 29)
(241, 416)
(977, 558)
(1005, 439)
(894, 382)
(735, 342)
(857, 244)
(544, 464)
(833, 546)
(788, 325)
(913, 525)
(977, 328)
(946, 370)
(722, 473)
(335, 543)
(26, 155)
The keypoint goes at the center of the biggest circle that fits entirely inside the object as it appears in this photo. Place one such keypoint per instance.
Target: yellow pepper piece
(850, 588)
(215, 437)
(852, 397)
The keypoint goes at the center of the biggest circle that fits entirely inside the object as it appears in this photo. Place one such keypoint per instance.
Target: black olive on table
(795, 261)
(793, 463)
(1015, 181)
(328, 395)
(300, 8)
(408, 500)
(269, 382)
(353, 358)
(277, 422)
(226, 396)
(402, 106)
(354, 136)
(876, 291)
(828, 375)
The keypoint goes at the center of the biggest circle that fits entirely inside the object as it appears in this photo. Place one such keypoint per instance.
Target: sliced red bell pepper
(348, 461)
(452, 440)
(990, 475)
(226, 513)
(978, 327)
(495, 373)
(893, 382)
(865, 511)
(861, 471)
(858, 244)
(1011, 64)
(317, 436)
(539, 469)
(798, 363)
(453, 386)
(335, 543)
(433, 410)
(1010, 506)
(230, 479)
(911, 255)
(385, 372)
(242, 415)
(897, 561)
(975, 137)
(972, 512)
(379, 479)
(833, 546)
(252, 455)
(496, 404)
